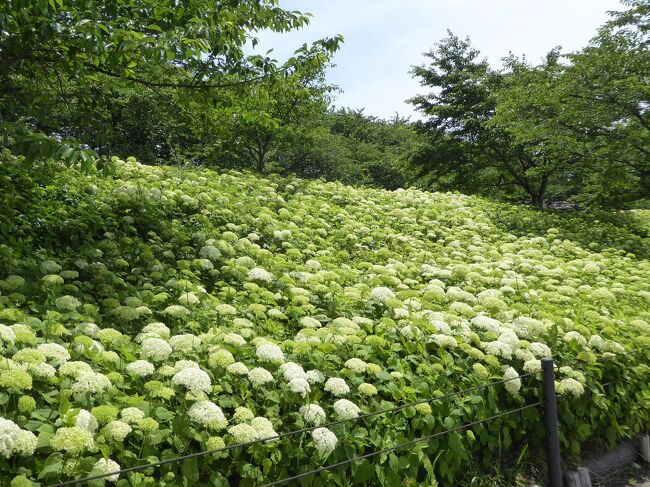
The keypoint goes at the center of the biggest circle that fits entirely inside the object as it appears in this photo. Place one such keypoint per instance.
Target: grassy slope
(132, 244)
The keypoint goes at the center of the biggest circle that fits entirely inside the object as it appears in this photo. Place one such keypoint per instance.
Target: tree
(576, 125)
(261, 118)
(466, 151)
(199, 45)
(608, 84)
(352, 147)
(584, 117)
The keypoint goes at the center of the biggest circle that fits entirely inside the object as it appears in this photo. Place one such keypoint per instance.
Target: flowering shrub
(163, 311)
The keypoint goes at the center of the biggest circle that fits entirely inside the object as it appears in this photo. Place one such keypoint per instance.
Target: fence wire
(280, 436)
(401, 445)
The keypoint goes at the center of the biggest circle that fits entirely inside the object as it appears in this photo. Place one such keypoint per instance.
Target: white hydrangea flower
(282, 234)
(366, 389)
(444, 341)
(26, 443)
(291, 370)
(42, 371)
(8, 434)
(242, 323)
(237, 368)
(188, 298)
(381, 294)
(336, 386)
(243, 433)
(263, 428)
(132, 414)
(90, 382)
(194, 380)
(400, 313)
(570, 386)
(234, 339)
(141, 368)
(259, 274)
(314, 376)
(208, 414)
(210, 252)
(498, 349)
(86, 421)
(226, 309)
(411, 332)
(105, 466)
(242, 414)
(177, 311)
(185, 364)
(7, 335)
(540, 350)
(56, 353)
(356, 365)
(486, 323)
(313, 265)
(155, 349)
(313, 414)
(74, 368)
(575, 336)
(324, 440)
(185, 342)
(299, 386)
(309, 322)
(259, 376)
(117, 430)
(514, 382)
(509, 337)
(532, 366)
(269, 352)
(157, 328)
(524, 354)
(574, 374)
(528, 327)
(345, 409)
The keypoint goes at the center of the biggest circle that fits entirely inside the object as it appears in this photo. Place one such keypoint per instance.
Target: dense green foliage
(86, 72)
(83, 81)
(402, 295)
(354, 148)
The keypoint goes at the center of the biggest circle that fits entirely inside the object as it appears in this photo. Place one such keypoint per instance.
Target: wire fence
(400, 445)
(331, 424)
(328, 425)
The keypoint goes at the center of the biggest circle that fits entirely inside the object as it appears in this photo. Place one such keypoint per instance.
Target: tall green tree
(466, 151)
(200, 44)
(585, 116)
(576, 125)
(260, 119)
(353, 147)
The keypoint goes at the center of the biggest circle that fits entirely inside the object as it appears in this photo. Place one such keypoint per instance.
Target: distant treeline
(81, 83)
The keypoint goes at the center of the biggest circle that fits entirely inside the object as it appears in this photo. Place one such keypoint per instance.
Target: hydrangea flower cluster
(213, 309)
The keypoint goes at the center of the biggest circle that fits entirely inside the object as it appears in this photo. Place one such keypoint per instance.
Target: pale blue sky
(383, 38)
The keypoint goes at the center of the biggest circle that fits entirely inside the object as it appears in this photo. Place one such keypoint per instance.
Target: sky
(384, 38)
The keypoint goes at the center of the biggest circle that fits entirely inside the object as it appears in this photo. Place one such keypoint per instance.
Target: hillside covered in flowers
(155, 312)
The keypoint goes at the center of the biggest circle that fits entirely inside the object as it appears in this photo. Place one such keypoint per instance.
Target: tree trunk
(261, 163)
(538, 198)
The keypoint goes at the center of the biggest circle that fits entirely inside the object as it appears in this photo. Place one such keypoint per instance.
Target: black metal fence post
(550, 423)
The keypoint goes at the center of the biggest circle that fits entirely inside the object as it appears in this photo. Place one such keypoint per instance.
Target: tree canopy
(575, 126)
(197, 48)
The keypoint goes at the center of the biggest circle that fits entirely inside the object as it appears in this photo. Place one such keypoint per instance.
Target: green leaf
(190, 470)
(363, 472)
(393, 462)
(53, 465)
